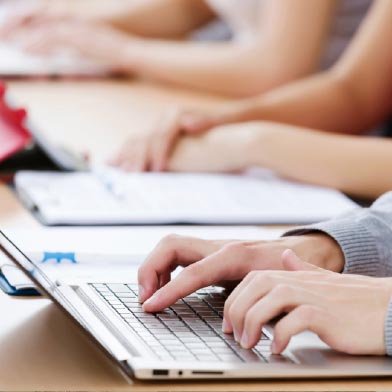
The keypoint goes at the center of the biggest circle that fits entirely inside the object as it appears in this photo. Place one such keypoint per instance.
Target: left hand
(224, 263)
(94, 41)
(176, 143)
(347, 312)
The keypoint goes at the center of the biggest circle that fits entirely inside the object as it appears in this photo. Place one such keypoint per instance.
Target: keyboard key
(277, 359)
(207, 358)
(248, 355)
(118, 288)
(229, 358)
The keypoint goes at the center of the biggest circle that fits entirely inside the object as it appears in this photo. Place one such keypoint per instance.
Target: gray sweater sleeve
(365, 237)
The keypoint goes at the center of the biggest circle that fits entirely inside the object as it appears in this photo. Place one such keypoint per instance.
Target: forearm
(159, 18)
(354, 165)
(353, 96)
(359, 166)
(322, 102)
(224, 68)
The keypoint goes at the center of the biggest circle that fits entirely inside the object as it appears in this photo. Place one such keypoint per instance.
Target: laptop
(184, 341)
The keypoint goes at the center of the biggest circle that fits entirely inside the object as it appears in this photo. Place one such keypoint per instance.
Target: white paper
(114, 243)
(113, 197)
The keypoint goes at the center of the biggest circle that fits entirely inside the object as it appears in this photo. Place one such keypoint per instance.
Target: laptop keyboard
(189, 330)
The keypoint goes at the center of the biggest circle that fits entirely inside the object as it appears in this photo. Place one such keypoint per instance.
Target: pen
(85, 258)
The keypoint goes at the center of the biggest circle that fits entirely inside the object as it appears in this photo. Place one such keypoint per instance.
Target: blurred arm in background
(148, 18)
(352, 97)
(357, 165)
(287, 45)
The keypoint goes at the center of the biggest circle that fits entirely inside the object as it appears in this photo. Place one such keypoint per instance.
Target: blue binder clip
(59, 257)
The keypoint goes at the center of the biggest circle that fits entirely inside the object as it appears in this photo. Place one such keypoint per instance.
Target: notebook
(112, 197)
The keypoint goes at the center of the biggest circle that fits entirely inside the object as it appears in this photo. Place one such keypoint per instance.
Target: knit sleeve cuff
(356, 241)
(388, 330)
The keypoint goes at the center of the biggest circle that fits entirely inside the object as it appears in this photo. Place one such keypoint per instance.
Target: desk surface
(40, 349)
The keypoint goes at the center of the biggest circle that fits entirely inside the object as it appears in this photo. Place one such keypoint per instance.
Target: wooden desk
(39, 348)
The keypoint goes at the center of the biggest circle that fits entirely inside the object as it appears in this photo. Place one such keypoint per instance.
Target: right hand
(151, 150)
(346, 311)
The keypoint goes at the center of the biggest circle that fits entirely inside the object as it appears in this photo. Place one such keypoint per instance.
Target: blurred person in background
(327, 112)
(273, 41)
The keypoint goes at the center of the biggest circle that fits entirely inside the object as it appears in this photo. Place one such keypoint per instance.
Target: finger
(141, 159)
(126, 150)
(250, 293)
(169, 131)
(227, 326)
(267, 279)
(221, 265)
(302, 318)
(261, 284)
(164, 278)
(235, 312)
(281, 298)
(291, 262)
(172, 251)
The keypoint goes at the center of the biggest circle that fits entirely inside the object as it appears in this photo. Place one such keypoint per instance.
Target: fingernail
(225, 327)
(274, 348)
(141, 293)
(236, 336)
(245, 340)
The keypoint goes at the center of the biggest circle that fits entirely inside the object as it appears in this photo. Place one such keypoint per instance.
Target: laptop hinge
(128, 339)
(94, 325)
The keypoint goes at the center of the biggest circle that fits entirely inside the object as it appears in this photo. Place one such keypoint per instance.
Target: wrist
(322, 250)
(129, 56)
(248, 144)
(249, 109)
(260, 144)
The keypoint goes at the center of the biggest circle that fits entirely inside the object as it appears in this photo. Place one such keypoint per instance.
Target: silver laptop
(184, 341)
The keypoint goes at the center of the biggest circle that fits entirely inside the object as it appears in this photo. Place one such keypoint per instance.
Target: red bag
(14, 136)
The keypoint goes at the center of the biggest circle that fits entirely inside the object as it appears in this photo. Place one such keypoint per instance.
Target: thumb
(291, 262)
